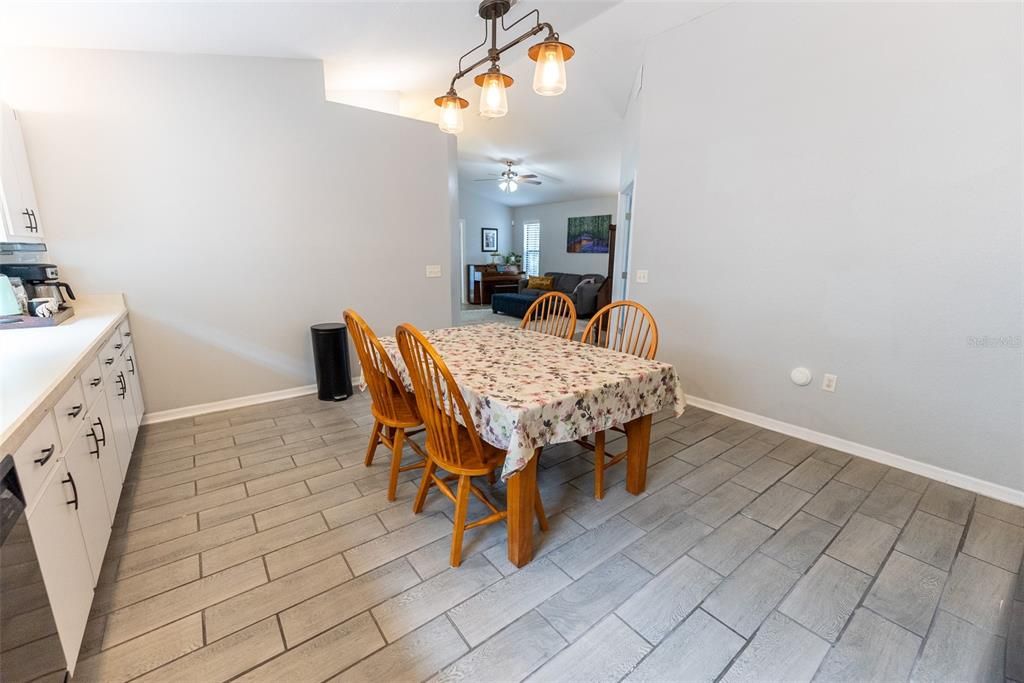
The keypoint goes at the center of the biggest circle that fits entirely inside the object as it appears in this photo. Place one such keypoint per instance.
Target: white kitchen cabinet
(37, 456)
(98, 434)
(123, 392)
(17, 193)
(93, 512)
(63, 559)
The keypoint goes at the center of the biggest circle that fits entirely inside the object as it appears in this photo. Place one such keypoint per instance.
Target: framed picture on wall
(587, 234)
(489, 240)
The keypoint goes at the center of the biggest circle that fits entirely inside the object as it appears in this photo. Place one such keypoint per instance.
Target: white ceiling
(399, 56)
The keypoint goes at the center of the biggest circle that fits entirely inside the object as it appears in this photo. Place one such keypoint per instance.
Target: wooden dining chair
(453, 447)
(395, 416)
(552, 313)
(628, 327)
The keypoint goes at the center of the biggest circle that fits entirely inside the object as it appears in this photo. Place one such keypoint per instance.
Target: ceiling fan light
(493, 100)
(513, 186)
(503, 186)
(450, 119)
(549, 75)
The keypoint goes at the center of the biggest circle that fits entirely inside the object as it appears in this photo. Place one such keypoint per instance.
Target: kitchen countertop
(37, 362)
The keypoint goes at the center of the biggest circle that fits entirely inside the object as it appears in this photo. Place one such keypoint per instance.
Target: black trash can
(330, 355)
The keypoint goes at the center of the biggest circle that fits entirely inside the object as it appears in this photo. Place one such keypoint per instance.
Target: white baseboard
(228, 404)
(985, 488)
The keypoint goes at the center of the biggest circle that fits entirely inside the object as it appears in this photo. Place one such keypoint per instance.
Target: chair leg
(461, 509)
(421, 495)
(538, 507)
(396, 461)
(599, 465)
(374, 440)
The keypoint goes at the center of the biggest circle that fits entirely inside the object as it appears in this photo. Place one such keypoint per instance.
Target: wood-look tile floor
(255, 544)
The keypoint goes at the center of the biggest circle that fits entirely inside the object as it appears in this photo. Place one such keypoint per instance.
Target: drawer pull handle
(127, 334)
(95, 381)
(102, 441)
(74, 489)
(92, 433)
(118, 346)
(48, 454)
(75, 411)
(109, 361)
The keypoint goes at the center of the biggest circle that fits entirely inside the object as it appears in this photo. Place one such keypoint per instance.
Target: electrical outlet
(641, 277)
(828, 383)
(433, 271)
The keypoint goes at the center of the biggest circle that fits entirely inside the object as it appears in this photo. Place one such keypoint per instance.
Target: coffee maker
(40, 280)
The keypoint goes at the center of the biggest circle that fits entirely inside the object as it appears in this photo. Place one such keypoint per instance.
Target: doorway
(623, 242)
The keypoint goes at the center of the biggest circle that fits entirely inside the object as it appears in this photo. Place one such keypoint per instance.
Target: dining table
(527, 390)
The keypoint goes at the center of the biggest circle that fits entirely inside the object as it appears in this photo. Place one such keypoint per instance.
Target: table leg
(638, 442)
(521, 488)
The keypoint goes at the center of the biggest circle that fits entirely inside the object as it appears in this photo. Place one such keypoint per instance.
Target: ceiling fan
(509, 180)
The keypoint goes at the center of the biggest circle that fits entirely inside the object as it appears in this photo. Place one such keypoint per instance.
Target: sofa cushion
(566, 282)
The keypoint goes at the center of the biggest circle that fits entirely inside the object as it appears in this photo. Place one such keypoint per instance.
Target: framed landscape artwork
(489, 240)
(588, 234)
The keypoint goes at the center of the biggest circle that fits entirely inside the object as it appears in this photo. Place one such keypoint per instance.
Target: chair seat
(403, 415)
(493, 456)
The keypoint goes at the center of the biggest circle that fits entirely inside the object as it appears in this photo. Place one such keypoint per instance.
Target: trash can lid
(327, 327)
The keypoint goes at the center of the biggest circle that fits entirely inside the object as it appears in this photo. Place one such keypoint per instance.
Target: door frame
(624, 241)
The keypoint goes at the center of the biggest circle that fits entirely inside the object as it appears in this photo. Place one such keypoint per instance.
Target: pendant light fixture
(548, 78)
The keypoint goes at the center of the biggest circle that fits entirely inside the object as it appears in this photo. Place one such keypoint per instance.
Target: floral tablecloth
(526, 389)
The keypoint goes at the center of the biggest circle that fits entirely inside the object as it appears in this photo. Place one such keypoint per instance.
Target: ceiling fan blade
(530, 182)
(485, 180)
(529, 175)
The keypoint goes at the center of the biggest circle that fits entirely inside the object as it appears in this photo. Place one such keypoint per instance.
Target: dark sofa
(584, 296)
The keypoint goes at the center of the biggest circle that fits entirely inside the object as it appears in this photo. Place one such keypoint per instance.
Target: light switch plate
(641, 276)
(829, 382)
(433, 271)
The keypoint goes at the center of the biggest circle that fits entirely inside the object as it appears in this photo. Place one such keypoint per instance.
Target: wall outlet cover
(641, 276)
(433, 271)
(828, 383)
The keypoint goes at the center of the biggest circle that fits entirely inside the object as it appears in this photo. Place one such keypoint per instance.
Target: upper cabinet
(21, 221)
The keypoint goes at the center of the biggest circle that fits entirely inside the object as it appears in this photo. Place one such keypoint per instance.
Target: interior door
(623, 242)
(63, 559)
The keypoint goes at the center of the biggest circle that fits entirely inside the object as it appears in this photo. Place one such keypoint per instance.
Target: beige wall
(554, 222)
(838, 186)
(233, 206)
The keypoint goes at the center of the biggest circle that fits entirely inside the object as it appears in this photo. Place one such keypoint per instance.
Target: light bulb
(549, 76)
(493, 101)
(450, 119)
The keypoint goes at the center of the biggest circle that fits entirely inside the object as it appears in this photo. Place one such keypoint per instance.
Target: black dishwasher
(30, 649)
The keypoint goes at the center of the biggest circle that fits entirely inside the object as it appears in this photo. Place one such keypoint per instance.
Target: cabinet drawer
(36, 457)
(70, 412)
(92, 381)
(108, 354)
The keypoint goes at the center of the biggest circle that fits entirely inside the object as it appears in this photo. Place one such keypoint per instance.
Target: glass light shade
(493, 101)
(513, 186)
(549, 76)
(450, 120)
(503, 186)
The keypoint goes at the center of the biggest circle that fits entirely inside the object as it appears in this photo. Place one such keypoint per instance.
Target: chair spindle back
(379, 373)
(624, 326)
(438, 398)
(552, 313)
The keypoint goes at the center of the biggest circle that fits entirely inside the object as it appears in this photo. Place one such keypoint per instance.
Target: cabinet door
(99, 438)
(123, 391)
(118, 424)
(134, 385)
(63, 559)
(19, 195)
(93, 514)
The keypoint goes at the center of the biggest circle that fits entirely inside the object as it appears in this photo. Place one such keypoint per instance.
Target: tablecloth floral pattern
(526, 389)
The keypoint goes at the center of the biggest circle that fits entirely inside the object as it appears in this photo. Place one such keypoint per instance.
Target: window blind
(531, 248)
